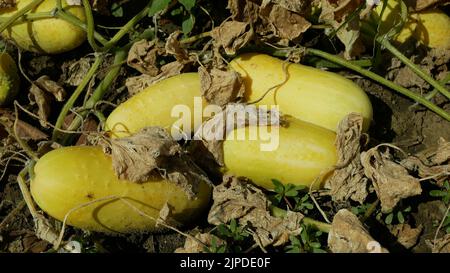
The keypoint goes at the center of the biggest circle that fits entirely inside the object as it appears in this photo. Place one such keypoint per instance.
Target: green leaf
(389, 219)
(157, 6)
(188, 4)
(279, 187)
(177, 11)
(116, 10)
(437, 193)
(188, 24)
(291, 193)
(447, 185)
(294, 240)
(446, 221)
(315, 245)
(318, 250)
(233, 225)
(400, 217)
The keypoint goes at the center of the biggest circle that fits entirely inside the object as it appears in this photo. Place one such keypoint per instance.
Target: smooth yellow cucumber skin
(153, 106)
(433, 29)
(304, 151)
(319, 97)
(50, 35)
(430, 27)
(9, 79)
(69, 177)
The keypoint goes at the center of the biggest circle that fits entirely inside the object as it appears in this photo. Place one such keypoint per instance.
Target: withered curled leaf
(151, 154)
(348, 235)
(348, 180)
(143, 56)
(232, 36)
(285, 23)
(240, 200)
(221, 87)
(391, 181)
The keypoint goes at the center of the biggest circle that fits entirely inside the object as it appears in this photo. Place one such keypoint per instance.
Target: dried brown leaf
(139, 83)
(74, 72)
(221, 87)
(432, 163)
(43, 101)
(240, 200)
(390, 180)
(406, 235)
(136, 158)
(24, 130)
(284, 23)
(173, 47)
(143, 56)
(335, 14)
(441, 245)
(348, 180)
(214, 131)
(46, 84)
(151, 154)
(243, 10)
(348, 235)
(232, 36)
(200, 243)
(300, 7)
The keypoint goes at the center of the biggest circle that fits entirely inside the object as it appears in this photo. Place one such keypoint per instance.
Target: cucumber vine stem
(71, 101)
(98, 94)
(19, 14)
(380, 80)
(438, 86)
(281, 213)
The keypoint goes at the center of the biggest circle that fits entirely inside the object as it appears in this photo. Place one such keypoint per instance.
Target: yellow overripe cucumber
(69, 177)
(430, 27)
(319, 97)
(9, 79)
(304, 152)
(153, 106)
(47, 35)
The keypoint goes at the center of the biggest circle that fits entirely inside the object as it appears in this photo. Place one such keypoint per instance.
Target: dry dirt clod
(232, 36)
(348, 180)
(348, 235)
(221, 87)
(390, 180)
(240, 200)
